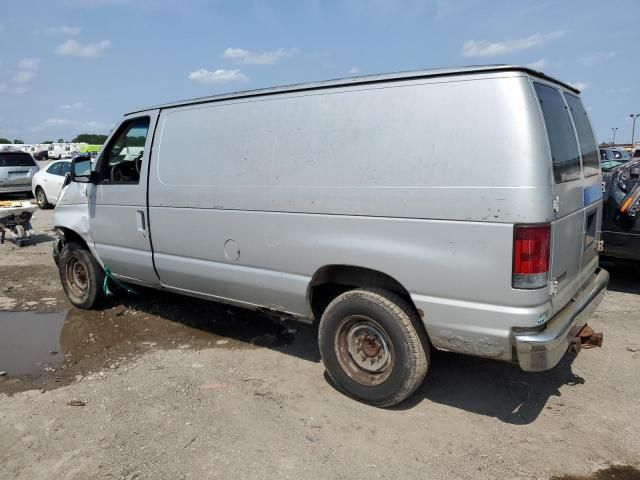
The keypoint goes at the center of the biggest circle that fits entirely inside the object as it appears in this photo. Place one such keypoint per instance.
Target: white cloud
(24, 76)
(616, 91)
(76, 49)
(64, 30)
(57, 122)
(247, 57)
(26, 73)
(31, 63)
(485, 48)
(538, 64)
(66, 123)
(94, 3)
(73, 107)
(596, 58)
(582, 86)
(20, 89)
(353, 70)
(3, 87)
(220, 75)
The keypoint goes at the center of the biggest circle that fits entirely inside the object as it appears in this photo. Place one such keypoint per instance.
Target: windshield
(619, 155)
(16, 159)
(609, 165)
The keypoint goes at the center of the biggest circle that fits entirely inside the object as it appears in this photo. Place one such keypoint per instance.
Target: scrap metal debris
(587, 338)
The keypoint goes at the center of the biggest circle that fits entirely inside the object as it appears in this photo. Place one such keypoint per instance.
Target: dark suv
(620, 222)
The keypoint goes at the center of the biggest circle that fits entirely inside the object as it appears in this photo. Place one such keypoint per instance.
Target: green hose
(105, 284)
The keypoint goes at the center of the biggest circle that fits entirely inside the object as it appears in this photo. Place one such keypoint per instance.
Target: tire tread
(96, 295)
(410, 325)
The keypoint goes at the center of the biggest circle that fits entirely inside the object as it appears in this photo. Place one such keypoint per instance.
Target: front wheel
(373, 346)
(41, 198)
(81, 276)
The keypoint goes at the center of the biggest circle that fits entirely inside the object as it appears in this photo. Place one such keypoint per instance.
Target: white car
(47, 183)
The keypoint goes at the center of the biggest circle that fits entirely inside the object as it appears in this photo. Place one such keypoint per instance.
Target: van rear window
(562, 139)
(16, 159)
(588, 147)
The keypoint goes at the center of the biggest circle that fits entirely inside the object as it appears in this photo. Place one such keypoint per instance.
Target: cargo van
(453, 209)
(55, 151)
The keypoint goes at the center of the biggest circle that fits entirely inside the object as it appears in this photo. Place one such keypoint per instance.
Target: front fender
(71, 216)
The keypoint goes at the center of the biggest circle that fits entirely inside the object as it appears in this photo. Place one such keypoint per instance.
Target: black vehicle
(41, 155)
(621, 222)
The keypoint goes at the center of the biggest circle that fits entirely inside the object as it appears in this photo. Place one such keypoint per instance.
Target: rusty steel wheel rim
(77, 277)
(364, 350)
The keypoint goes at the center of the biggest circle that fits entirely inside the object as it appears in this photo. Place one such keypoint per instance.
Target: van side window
(122, 162)
(588, 147)
(562, 139)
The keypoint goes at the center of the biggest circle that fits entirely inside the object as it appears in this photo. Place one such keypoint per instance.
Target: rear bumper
(543, 350)
(15, 188)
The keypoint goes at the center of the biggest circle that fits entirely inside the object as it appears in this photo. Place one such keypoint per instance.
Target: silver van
(17, 169)
(454, 209)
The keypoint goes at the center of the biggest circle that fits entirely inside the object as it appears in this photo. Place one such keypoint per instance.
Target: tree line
(90, 138)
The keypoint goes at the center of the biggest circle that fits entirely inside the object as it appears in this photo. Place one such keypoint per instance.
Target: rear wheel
(373, 346)
(41, 198)
(81, 276)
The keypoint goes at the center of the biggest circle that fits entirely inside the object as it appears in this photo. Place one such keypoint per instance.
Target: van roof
(367, 79)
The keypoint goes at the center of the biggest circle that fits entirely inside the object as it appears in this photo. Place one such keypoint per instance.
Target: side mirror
(81, 170)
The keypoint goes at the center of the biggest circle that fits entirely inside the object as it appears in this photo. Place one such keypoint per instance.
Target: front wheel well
(67, 235)
(333, 280)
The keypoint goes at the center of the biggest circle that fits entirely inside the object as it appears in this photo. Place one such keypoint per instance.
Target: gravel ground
(159, 386)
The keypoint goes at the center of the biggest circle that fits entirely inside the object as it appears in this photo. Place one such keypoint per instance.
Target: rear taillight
(531, 255)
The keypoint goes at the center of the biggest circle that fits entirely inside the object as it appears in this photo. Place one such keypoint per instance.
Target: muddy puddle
(29, 341)
(46, 350)
(614, 472)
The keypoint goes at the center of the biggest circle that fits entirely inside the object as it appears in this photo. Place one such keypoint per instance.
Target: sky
(76, 66)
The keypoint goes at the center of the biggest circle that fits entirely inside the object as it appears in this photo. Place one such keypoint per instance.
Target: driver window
(123, 161)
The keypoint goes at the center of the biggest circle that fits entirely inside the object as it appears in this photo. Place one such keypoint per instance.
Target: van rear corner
(542, 349)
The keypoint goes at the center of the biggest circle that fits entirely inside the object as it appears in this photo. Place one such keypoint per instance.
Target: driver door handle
(140, 220)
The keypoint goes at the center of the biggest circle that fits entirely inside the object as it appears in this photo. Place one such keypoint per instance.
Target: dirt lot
(159, 386)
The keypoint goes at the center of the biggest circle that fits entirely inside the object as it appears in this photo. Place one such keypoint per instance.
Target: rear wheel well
(333, 280)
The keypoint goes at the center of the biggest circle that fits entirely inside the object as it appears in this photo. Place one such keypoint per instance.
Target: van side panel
(420, 180)
(458, 273)
(456, 150)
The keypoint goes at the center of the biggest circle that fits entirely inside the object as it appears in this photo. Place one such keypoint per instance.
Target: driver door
(118, 214)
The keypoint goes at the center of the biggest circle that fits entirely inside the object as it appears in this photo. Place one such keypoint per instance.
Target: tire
(41, 199)
(20, 235)
(81, 276)
(373, 346)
